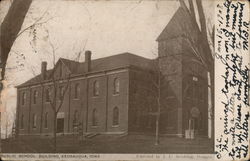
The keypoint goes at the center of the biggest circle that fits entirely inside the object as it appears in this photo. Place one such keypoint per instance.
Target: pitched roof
(121, 60)
(180, 23)
(101, 64)
(36, 79)
(183, 24)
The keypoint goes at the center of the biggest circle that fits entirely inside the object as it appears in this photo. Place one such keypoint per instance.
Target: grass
(107, 144)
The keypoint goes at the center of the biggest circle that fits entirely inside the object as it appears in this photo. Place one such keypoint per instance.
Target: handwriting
(232, 48)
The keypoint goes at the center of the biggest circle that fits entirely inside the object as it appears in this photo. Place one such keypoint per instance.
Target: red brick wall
(170, 53)
(141, 99)
(103, 103)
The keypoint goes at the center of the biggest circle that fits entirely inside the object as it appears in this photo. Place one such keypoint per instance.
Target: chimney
(87, 61)
(44, 69)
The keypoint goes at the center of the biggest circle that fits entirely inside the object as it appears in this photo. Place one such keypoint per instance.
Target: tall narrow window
(22, 122)
(94, 118)
(201, 91)
(77, 90)
(115, 116)
(75, 119)
(48, 95)
(35, 95)
(23, 98)
(149, 118)
(116, 86)
(96, 88)
(34, 121)
(46, 117)
(195, 90)
(61, 92)
(60, 70)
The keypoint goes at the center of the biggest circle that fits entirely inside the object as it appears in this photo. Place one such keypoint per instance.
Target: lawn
(108, 144)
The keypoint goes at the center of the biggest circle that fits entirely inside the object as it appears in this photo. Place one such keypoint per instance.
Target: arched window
(115, 116)
(77, 90)
(46, 117)
(96, 88)
(22, 122)
(34, 121)
(94, 118)
(116, 86)
(48, 95)
(35, 95)
(23, 98)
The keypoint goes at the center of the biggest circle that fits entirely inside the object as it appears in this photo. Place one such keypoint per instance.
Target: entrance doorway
(60, 125)
(195, 122)
(60, 122)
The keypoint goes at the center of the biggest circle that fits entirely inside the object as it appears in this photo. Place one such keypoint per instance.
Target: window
(149, 117)
(35, 95)
(115, 116)
(195, 90)
(96, 88)
(201, 92)
(116, 86)
(46, 117)
(61, 92)
(22, 122)
(137, 117)
(169, 90)
(60, 70)
(23, 98)
(77, 90)
(94, 118)
(75, 117)
(48, 95)
(34, 121)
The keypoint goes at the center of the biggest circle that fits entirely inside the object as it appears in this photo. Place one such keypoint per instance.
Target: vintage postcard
(124, 79)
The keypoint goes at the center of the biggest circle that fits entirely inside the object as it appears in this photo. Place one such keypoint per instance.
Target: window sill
(94, 127)
(170, 97)
(116, 94)
(115, 126)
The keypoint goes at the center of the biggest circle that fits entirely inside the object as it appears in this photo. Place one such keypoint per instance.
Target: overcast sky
(104, 27)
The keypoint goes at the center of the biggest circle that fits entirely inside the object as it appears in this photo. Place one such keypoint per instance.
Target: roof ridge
(124, 53)
(64, 59)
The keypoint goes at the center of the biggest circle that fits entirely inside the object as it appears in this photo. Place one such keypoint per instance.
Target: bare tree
(10, 28)
(159, 84)
(198, 49)
(201, 42)
(59, 84)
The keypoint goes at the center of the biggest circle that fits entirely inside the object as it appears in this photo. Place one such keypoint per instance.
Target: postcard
(124, 80)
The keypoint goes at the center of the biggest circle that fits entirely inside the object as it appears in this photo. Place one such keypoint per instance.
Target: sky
(72, 26)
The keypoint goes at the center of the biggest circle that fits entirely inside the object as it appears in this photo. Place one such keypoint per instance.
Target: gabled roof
(180, 23)
(36, 79)
(71, 64)
(121, 60)
(101, 64)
